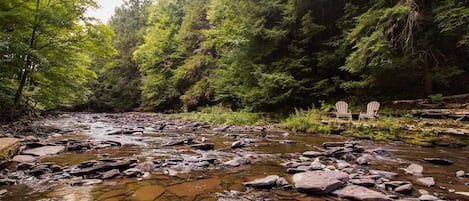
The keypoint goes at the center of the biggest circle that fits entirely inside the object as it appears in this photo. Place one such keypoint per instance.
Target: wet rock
(463, 193)
(24, 159)
(178, 142)
(266, 182)
(360, 193)
(379, 153)
(3, 191)
(426, 181)
(115, 132)
(8, 147)
(110, 174)
(39, 170)
(282, 182)
(363, 182)
(147, 166)
(86, 182)
(405, 189)
(460, 173)
(170, 172)
(333, 144)
(45, 150)
(414, 169)
(438, 161)
(203, 146)
(365, 159)
(77, 146)
(312, 154)
(316, 165)
(319, 182)
(101, 166)
(238, 144)
(342, 164)
(7, 182)
(427, 197)
(298, 169)
(237, 162)
(382, 173)
(132, 172)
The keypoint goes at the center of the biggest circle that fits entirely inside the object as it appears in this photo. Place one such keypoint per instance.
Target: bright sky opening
(106, 9)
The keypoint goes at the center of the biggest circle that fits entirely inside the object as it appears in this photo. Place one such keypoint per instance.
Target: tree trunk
(427, 77)
(28, 63)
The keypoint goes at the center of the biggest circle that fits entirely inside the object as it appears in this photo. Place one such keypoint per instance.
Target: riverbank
(405, 127)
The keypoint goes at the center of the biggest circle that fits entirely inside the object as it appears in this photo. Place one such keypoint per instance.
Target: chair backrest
(372, 108)
(341, 107)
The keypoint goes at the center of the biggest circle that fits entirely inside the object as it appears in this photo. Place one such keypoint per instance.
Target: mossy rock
(8, 148)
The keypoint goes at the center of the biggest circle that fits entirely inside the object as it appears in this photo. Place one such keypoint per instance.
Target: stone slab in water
(266, 182)
(45, 150)
(320, 182)
(360, 193)
(148, 193)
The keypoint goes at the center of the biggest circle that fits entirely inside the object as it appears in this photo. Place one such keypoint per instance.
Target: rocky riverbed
(136, 156)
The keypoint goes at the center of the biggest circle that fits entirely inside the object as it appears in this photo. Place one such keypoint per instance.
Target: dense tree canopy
(46, 47)
(261, 55)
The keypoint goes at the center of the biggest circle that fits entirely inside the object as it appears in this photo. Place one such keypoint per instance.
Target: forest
(253, 55)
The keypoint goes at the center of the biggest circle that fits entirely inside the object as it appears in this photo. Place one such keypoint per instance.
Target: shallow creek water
(271, 148)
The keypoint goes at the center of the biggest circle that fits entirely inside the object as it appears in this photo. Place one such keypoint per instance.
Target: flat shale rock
(360, 193)
(45, 150)
(24, 159)
(319, 182)
(266, 182)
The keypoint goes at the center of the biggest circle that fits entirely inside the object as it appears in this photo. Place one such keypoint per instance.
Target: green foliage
(436, 98)
(306, 121)
(223, 115)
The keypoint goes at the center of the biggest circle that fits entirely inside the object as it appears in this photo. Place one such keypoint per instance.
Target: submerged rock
(438, 161)
(237, 162)
(320, 182)
(360, 193)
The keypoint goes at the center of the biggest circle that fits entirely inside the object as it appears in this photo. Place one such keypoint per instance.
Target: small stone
(316, 165)
(312, 154)
(132, 172)
(237, 144)
(460, 173)
(237, 162)
(451, 190)
(428, 197)
(382, 173)
(414, 169)
(363, 182)
(423, 192)
(110, 174)
(426, 181)
(86, 182)
(3, 191)
(406, 188)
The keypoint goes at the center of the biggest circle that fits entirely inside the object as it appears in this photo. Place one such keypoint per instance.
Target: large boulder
(319, 182)
(360, 193)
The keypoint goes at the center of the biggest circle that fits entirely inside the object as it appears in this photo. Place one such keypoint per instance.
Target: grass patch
(225, 116)
(307, 121)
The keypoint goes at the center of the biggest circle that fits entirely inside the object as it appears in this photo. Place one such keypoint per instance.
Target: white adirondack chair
(342, 110)
(371, 111)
